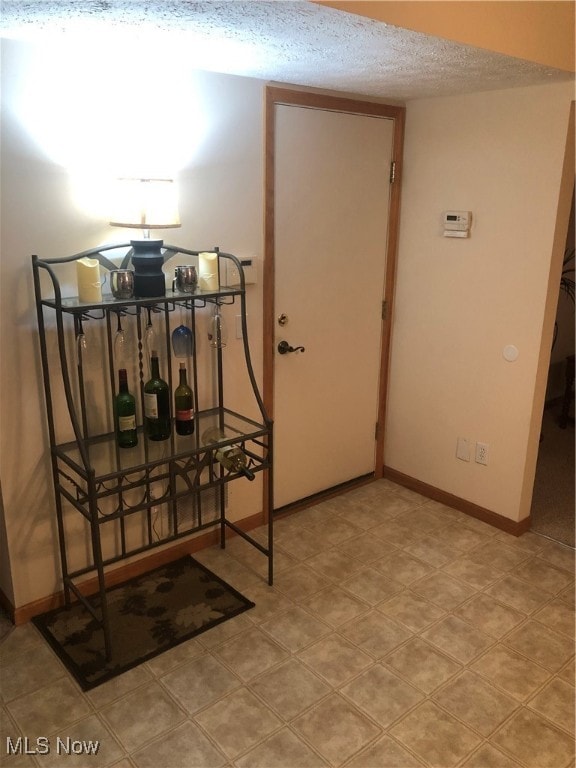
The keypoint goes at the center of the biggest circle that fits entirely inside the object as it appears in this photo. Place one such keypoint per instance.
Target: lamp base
(149, 280)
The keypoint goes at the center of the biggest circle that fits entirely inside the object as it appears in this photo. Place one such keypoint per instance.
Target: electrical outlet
(462, 449)
(482, 453)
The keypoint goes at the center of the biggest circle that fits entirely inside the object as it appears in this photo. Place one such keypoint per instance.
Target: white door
(331, 191)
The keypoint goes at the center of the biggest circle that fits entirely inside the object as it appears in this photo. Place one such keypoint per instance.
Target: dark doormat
(148, 615)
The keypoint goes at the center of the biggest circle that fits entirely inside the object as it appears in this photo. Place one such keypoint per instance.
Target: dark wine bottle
(125, 413)
(232, 457)
(157, 403)
(183, 405)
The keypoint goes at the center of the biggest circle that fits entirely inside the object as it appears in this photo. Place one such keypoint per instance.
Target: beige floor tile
(544, 575)
(462, 537)
(336, 532)
(382, 695)
(413, 611)
(184, 747)
(558, 554)
(568, 672)
(49, 709)
(21, 641)
(280, 750)
(435, 736)
(518, 594)
(511, 672)
(29, 671)
(402, 567)
(559, 616)
(366, 548)
(119, 686)
(371, 586)
(95, 744)
(478, 525)
(367, 516)
(396, 534)
(375, 634)
(333, 564)
(300, 582)
(556, 702)
(268, 601)
(422, 519)
(433, 550)
(477, 575)
(142, 715)
(290, 688)
(335, 659)
(499, 555)
(223, 632)
(422, 665)
(472, 699)
(250, 653)
(335, 606)
(449, 513)
(489, 757)
(180, 654)
(336, 729)
(299, 542)
(294, 629)
(200, 683)
(489, 615)
(443, 590)
(458, 639)
(385, 753)
(534, 741)
(238, 722)
(529, 542)
(542, 645)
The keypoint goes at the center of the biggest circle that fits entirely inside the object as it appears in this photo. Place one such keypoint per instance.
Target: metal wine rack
(133, 500)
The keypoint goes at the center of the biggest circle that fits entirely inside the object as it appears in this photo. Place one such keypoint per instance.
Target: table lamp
(146, 204)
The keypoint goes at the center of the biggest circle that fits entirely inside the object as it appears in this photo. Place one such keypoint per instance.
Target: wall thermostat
(457, 223)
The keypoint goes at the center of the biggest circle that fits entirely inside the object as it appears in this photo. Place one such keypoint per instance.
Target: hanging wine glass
(217, 331)
(182, 341)
(119, 343)
(149, 338)
(81, 343)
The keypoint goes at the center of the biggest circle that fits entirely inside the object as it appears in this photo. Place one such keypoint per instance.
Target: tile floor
(399, 634)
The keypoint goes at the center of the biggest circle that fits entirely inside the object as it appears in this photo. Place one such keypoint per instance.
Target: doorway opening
(553, 499)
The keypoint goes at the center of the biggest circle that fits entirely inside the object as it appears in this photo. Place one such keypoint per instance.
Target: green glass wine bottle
(183, 405)
(157, 403)
(125, 413)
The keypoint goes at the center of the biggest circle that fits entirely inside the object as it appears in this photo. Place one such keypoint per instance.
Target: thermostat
(457, 223)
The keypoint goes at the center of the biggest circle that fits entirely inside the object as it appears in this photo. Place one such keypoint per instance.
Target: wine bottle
(232, 457)
(183, 405)
(156, 403)
(125, 413)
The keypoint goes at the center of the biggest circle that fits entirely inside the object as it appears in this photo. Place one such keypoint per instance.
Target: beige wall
(537, 30)
(460, 302)
(221, 204)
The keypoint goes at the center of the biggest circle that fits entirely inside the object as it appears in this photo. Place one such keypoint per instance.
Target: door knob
(284, 348)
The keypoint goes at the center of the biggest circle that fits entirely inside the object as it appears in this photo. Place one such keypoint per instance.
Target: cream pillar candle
(88, 276)
(208, 271)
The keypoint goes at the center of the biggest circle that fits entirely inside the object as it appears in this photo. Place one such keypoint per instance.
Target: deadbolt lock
(282, 319)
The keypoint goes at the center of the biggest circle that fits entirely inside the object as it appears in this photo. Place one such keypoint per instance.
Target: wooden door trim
(275, 96)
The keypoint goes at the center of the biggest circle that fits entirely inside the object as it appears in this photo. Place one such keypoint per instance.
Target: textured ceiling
(288, 42)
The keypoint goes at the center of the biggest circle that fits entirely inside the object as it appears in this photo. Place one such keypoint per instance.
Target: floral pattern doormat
(148, 615)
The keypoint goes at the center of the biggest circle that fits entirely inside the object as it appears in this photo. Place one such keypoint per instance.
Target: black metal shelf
(135, 499)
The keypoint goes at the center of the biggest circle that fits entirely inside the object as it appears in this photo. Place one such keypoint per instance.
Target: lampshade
(145, 204)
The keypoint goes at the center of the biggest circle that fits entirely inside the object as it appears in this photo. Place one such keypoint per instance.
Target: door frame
(275, 96)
